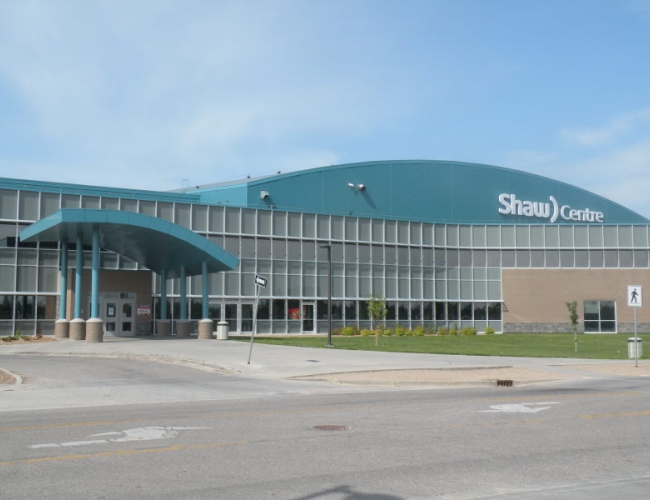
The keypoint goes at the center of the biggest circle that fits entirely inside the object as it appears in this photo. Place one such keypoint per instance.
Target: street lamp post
(329, 294)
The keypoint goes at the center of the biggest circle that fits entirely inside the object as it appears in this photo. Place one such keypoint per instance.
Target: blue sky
(147, 94)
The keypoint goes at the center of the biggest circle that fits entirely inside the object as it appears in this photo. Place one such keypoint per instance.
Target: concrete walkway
(340, 366)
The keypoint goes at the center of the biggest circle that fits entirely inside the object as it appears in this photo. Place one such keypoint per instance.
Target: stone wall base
(78, 329)
(627, 328)
(94, 330)
(206, 327)
(61, 329)
(163, 328)
(183, 328)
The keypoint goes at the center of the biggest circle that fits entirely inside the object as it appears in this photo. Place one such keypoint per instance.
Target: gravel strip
(623, 370)
(440, 376)
(5, 378)
(455, 376)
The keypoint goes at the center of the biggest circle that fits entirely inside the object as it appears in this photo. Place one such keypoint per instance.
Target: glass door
(308, 318)
(117, 312)
(246, 318)
(230, 317)
(126, 319)
(239, 317)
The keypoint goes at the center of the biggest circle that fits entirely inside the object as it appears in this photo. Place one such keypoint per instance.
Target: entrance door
(308, 322)
(118, 314)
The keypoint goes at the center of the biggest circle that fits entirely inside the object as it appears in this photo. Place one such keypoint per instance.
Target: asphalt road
(232, 437)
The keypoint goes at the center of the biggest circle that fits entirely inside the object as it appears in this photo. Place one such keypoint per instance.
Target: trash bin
(222, 330)
(630, 348)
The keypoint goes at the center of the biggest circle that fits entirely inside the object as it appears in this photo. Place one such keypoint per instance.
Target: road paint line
(120, 453)
(137, 434)
(568, 396)
(638, 413)
(83, 443)
(215, 445)
(518, 408)
(63, 425)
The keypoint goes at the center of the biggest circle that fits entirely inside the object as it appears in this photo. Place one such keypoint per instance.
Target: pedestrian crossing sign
(634, 295)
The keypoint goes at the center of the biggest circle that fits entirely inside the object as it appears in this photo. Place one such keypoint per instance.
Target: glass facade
(431, 274)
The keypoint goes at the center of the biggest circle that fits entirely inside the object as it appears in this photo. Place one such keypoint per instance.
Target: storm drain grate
(331, 428)
(504, 383)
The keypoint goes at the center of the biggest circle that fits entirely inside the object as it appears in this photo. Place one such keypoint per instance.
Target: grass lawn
(527, 345)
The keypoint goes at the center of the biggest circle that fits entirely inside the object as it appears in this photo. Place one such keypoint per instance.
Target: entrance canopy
(155, 243)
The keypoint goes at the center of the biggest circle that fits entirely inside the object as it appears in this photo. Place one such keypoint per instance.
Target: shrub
(489, 331)
(443, 330)
(453, 331)
(400, 331)
(468, 331)
(366, 333)
(418, 332)
(350, 330)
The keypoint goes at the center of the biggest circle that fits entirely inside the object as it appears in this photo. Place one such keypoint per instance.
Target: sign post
(635, 300)
(260, 282)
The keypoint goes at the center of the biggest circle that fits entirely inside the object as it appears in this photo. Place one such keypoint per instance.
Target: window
(600, 316)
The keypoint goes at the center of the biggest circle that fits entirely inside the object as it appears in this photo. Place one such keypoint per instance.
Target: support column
(78, 325)
(163, 328)
(95, 326)
(62, 325)
(182, 324)
(183, 293)
(206, 324)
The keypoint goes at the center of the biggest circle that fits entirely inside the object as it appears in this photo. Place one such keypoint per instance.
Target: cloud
(622, 175)
(639, 7)
(528, 160)
(617, 128)
(147, 86)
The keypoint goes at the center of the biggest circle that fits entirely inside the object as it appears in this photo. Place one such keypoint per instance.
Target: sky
(161, 94)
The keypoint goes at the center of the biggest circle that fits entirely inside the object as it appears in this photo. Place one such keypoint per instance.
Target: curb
(18, 380)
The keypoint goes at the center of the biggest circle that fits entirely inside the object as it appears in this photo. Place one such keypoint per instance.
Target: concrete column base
(183, 328)
(163, 328)
(94, 330)
(205, 329)
(78, 329)
(61, 329)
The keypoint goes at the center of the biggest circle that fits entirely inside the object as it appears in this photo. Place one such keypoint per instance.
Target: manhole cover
(331, 428)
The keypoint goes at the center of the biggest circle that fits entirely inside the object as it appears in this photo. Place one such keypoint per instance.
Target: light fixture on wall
(264, 195)
(360, 187)
(350, 185)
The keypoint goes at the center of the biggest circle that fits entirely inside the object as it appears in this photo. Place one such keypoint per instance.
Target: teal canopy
(155, 243)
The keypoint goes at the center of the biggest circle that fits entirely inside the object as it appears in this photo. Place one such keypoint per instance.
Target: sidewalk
(333, 365)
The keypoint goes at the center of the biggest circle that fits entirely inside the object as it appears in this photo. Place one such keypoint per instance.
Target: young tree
(573, 319)
(376, 312)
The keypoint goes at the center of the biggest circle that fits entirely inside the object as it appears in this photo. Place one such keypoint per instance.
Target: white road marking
(137, 434)
(519, 408)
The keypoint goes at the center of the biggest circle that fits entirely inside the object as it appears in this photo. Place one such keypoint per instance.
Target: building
(446, 243)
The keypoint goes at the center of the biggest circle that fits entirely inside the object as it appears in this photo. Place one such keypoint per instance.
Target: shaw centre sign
(551, 210)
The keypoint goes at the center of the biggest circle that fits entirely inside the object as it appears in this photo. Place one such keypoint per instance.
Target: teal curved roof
(155, 243)
(422, 190)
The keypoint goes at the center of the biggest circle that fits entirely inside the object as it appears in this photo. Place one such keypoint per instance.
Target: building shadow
(347, 493)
